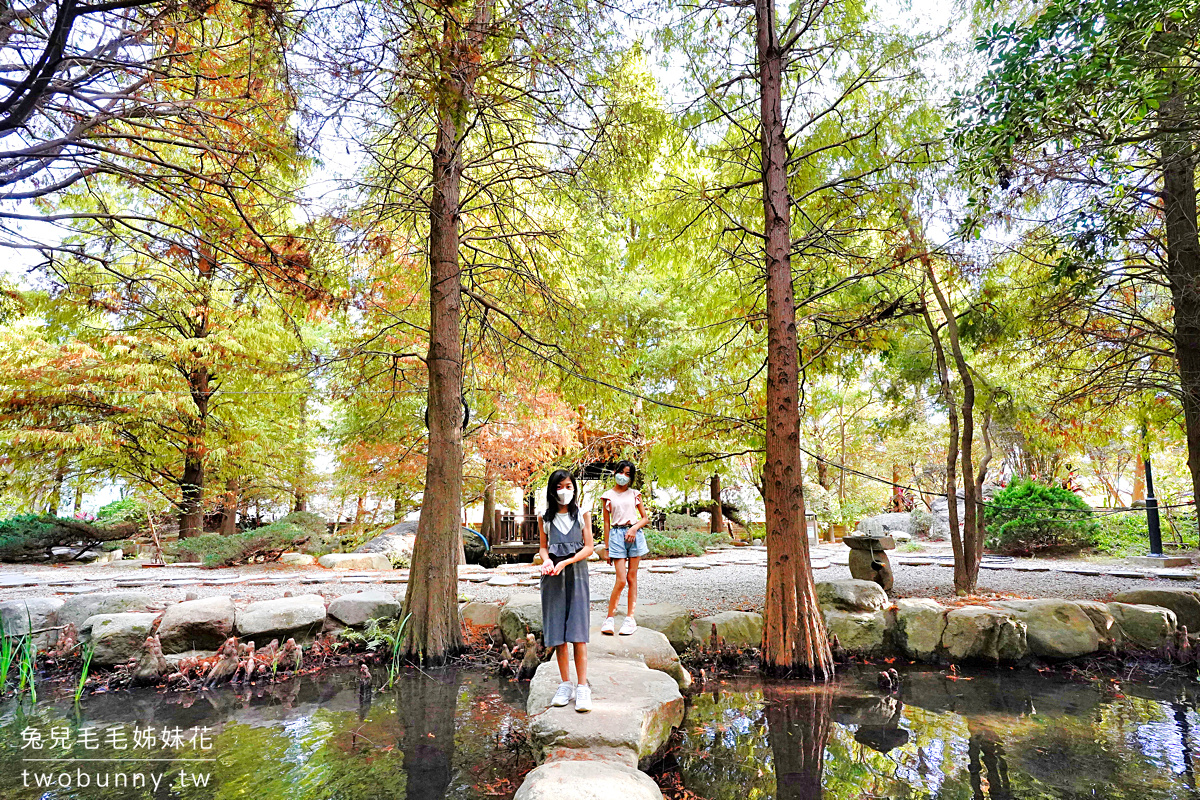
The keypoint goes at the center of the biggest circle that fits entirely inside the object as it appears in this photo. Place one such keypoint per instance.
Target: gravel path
(720, 585)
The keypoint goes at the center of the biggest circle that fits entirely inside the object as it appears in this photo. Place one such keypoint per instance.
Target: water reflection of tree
(798, 724)
(985, 753)
(427, 707)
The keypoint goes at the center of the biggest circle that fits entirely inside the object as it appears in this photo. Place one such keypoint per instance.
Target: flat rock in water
(587, 780)
(634, 710)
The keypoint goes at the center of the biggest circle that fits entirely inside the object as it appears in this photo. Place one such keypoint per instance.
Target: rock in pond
(862, 633)
(32, 614)
(587, 780)
(355, 609)
(982, 633)
(521, 614)
(202, 624)
(1055, 628)
(1148, 626)
(851, 595)
(1184, 602)
(673, 621)
(299, 617)
(116, 638)
(650, 646)
(1102, 620)
(486, 615)
(78, 608)
(355, 561)
(737, 628)
(919, 626)
(634, 710)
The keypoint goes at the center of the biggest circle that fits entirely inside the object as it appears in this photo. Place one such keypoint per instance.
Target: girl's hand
(557, 568)
(547, 567)
(630, 535)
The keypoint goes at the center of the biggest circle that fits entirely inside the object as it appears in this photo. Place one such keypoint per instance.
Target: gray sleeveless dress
(565, 597)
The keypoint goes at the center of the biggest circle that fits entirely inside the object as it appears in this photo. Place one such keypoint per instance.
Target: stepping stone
(1081, 570)
(358, 580)
(664, 570)
(820, 565)
(74, 589)
(607, 570)
(1125, 573)
(531, 582)
(503, 580)
(1174, 574)
(394, 579)
(696, 566)
(916, 562)
(476, 578)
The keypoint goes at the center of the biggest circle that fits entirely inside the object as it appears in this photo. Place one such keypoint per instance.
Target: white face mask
(565, 495)
(622, 480)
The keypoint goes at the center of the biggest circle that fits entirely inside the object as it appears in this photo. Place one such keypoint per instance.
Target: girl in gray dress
(565, 536)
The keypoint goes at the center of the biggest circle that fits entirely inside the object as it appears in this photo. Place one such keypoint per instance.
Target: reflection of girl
(623, 511)
(565, 536)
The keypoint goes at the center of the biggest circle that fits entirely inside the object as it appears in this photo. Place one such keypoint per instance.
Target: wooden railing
(512, 528)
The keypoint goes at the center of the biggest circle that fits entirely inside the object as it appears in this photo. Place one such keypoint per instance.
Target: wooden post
(717, 524)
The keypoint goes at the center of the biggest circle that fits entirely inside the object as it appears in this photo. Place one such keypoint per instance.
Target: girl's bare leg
(631, 579)
(580, 662)
(560, 655)
(618, 585)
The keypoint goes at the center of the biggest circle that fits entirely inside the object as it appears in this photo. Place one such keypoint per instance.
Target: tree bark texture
(717, 523)
(435, 632)
(230, 508)
(191, 482)
(794, 638)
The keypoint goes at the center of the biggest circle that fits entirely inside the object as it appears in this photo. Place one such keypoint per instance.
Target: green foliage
(88, 649)
(260, 544)
(1028, 517)
(682, 542)
(388, 634)
(399, 560)
(128, 509)
(922, 522)
(683, 522)
(29, 537)
(312, 524)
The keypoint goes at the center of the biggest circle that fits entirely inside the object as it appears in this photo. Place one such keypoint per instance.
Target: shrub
(683, 522)
(128, 509)
(259, 544)
(682, 542)
(922, 522)
(30, 537)
(1027, 517)
(1122, 535)
(310, 523)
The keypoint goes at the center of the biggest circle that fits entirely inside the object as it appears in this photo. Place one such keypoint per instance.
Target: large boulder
(882, 524)
(851, 595)
(1102, 620)
(650, 646)
(202, 624)
(587, 780)
(1055, 628)
(919, 626)
(355, 561)
(1149, 626)
(673, 621)
(77, 608)
(982, 633)
(1184, 602)
(862, 633)
(299, 617)
(400, 539)
(20, 617)
(297, 559)
(355, 609)
(634, 710)
(116, 638)
(521, 614)
(736, 628)
(481, 615)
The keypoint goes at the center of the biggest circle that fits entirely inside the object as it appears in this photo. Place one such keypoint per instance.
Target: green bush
(310, 523)
(1122, 535)
(683, 522)
(259, 544)
(30, 537)
(682, 542)
(1027, 517)
(128, 509)
(922, 522)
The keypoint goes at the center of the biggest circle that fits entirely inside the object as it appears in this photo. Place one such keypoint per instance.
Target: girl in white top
(624, 519)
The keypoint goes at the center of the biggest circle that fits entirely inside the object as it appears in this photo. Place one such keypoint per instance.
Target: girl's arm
(644, 521)
(544, 547)
(604, 530)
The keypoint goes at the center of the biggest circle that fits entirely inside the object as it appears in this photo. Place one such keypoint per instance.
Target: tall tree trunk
(717, 523)
(794, 638)
(300, 479)
(488, 525)
(397, 507)
(1183, 267)
(951, 484)
(435, 632)
(1139, 475)
(77, 500)
(191, 482)
(229, 508)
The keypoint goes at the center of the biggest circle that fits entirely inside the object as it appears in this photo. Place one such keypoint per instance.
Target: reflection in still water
(1009, 735)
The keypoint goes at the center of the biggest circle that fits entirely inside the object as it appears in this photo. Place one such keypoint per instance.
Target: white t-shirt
(622, 506)
(563, 521)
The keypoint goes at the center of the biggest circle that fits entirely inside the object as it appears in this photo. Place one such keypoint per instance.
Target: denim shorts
(619, 548)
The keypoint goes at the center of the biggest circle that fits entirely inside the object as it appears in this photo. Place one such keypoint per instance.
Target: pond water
(1007, 735)
(1010, 735)
(449, 734)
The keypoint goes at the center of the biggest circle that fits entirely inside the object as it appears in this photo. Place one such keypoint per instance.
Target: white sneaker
(607, 627)
(583, 698)
(628, 626)
(566, 690)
